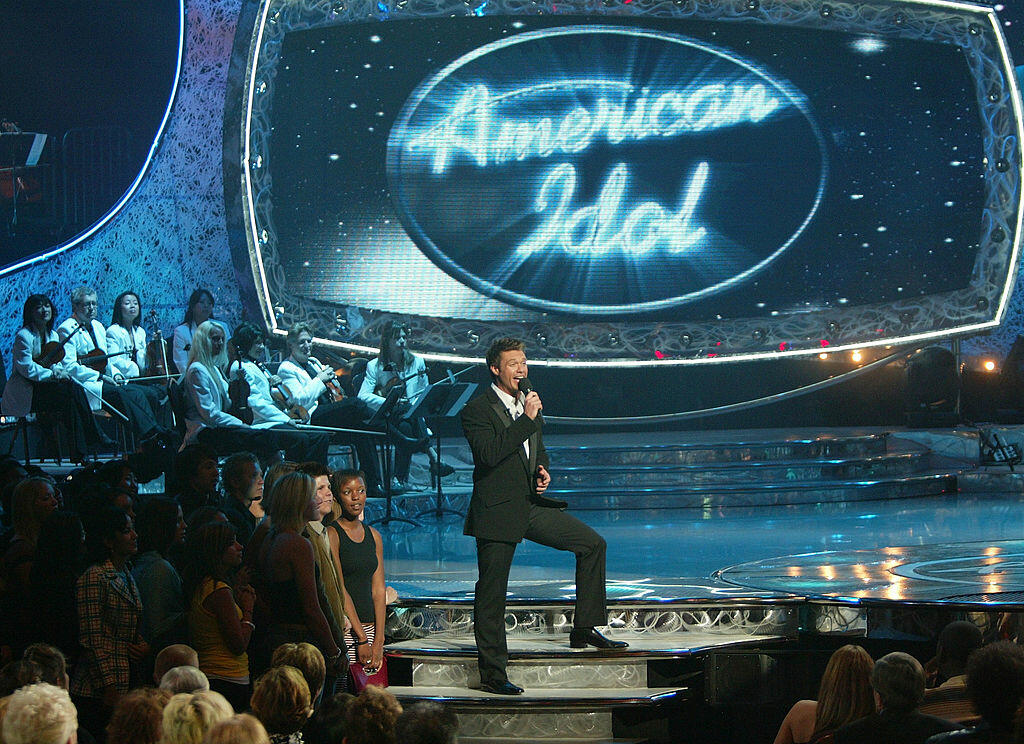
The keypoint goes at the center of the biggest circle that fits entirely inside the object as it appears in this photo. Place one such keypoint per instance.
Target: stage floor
(922, 549)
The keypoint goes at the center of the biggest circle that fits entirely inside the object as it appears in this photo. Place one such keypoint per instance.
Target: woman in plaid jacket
(109, 614)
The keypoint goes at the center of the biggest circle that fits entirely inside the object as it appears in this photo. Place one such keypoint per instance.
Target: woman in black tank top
(358, 549)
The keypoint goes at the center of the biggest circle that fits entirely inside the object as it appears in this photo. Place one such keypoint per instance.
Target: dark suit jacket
(503, 480)
(886, 727)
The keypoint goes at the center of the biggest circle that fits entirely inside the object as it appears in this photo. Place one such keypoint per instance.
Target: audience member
(948, 698)
(239, 729)
(184, 679)
(371, 717)
(358, 550)
(109, 613)
(34, 500)
(138, 717)
(844, 695)
(219, 617)
(194, 478)
(308, 660)
(995, 684)
(288, 573)
(17, 674)
(160, 526)
(243, 493)
(327, 726)
(174, 655)
(40, 714)
(53, 667)
(188, 716)
(898, 682)
(426, 723)
(60, 561)
(282, 702)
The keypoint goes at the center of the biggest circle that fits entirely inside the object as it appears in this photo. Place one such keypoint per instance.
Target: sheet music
(38, 143)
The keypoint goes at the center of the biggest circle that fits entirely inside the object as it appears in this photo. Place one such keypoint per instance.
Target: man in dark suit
(503, 426)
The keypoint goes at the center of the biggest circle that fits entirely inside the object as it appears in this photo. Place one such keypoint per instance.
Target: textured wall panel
(171, 237)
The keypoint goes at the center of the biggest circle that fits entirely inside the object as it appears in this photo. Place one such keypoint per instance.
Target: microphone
(526, 387)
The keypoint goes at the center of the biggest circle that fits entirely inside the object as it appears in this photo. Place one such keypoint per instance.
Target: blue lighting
(869, 45)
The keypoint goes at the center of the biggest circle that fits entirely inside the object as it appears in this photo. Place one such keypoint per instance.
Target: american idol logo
(604, 170)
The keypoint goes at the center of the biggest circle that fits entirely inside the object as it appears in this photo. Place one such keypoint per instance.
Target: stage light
(823, 355)
(856, 355)
(989, 365)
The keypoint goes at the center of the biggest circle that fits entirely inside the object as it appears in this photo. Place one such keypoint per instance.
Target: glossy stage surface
(959, 547)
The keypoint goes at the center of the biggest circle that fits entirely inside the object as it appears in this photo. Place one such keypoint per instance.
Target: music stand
(20, 151)
(442, 400)
(383, 417)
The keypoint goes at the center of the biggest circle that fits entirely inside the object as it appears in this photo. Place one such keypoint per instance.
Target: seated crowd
(198, 615)
(973, 693)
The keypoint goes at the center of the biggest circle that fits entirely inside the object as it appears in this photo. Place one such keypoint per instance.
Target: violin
(334, 390)
(281, 396)
(159, 361)
(53, 352)
(97, 359)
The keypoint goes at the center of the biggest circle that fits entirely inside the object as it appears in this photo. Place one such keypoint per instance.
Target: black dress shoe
(501, 688)
(441, 468)
(583, 637)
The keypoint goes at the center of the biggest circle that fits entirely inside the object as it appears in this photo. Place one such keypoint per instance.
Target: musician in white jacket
(208, 422)
(84, 336)
(39, 384)
(306, 380)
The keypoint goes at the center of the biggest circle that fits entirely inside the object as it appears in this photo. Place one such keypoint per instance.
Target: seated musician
(208, 422)
(396, 365)
(126, 334)
(39, 381)
(199, 310)
(306, 380)
(87, 338)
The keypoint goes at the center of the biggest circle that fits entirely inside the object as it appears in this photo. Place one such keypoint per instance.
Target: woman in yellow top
(219, 617)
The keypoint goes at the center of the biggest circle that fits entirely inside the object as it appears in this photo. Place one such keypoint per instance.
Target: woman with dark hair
(219, 618)
(33, 501)
(60, 560)
(161, 527)
(198, 311)
(397, 367)
(109, 615)
(287, 568)
(125, 333)
(37, 384)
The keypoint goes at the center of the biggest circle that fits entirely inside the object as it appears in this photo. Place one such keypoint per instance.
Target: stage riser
(536, 674)
(702, 496)
(665, 627)
(553, 726)
(650, 476)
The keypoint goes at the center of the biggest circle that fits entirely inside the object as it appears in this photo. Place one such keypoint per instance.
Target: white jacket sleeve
(22, 361)
(206, 400)
(305, 390)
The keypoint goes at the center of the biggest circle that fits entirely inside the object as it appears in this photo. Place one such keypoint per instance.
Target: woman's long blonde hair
(845, 692)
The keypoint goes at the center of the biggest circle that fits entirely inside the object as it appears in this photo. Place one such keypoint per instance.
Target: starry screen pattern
(899, 217)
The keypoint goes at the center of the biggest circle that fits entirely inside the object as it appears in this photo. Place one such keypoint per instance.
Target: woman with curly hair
(844, 696)
(371, 717)
(282, 702)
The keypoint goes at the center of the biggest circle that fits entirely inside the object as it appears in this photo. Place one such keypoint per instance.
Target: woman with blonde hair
(282, 702)
(187, 717)
(287, 570)
(844, 695)
(241, 728)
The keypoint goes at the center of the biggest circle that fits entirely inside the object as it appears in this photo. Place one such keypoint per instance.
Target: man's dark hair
(995, 682)
(231, 472)
(327, 726)
(956, 642)
(501, 345)
(186, 465)
(426, 723)
(313, 469)
(898, 678)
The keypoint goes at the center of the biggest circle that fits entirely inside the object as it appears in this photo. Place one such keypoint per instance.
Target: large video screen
(627, 172)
